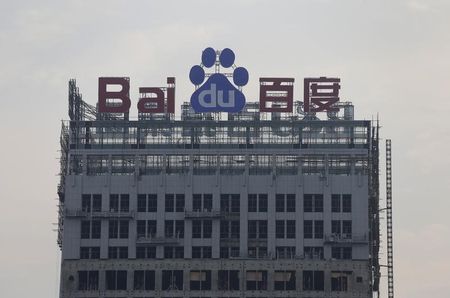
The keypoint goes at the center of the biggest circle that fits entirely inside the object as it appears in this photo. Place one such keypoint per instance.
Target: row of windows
(228, 202)
(257, 229)
(227, 280)
(205, 252)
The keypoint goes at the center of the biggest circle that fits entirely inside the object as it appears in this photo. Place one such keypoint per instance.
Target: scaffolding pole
(390, 244)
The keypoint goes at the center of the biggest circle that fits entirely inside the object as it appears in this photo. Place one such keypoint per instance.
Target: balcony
(202, 214)
(346, 238)
(157, 240)
(230, 215)
(98, 214)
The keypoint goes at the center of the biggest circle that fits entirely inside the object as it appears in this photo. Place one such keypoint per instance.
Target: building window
(257, 229)
(116, 280)
(202, 202)
(285, 252)
(318, 229)
(118, 252)
(313, 280)
(146, 228)
(259, 252)
(119, 203)
(335, 203)
(90, 229)
(144, 280)
(174, 203)
(170, 203)
(118, 229)
(91, 202)
(279, 203)
(341, 253)
(336, 227)
(200, 280)
(341, 202)
(201, 228)
(172, 280)
(313, 252)
(196, 229)
(230, 202)
(87, 280)
(290, 203)
(339, 280)
(313, 203)
(308, 229)
(313, 228)
(252, 203)
(284, 281)
(290, 229)
(174, 228)
(342, 229)
(146, 252)
(229, 229)
(228, 280)
(279, 229)
(256, 280)
(201, 252)
(347, 203)
(347, 253)
(229, 252)
(173, 252)
(257, 203)
(285, 202)
(89, 252)
(147, 203)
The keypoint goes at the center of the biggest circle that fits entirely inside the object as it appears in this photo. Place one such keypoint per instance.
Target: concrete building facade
(204, 207)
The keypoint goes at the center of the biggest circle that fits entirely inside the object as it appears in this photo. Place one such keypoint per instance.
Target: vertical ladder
(390, 244)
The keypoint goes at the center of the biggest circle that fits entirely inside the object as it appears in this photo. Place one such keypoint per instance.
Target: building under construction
(249, 204)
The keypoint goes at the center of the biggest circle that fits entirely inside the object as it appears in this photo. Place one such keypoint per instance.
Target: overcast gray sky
(392, 56)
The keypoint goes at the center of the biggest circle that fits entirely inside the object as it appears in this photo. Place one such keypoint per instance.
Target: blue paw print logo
(218, 94)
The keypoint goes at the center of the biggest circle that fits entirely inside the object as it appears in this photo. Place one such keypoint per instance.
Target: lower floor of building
(215, 278)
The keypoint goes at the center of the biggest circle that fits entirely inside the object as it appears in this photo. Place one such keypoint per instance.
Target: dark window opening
(228, 280)
(90, 229)
(201, 252)
(144, 280)
(313, 280)
(147, 203)
(200, 280)
(256, 280)
(312, 203)
(172, 280)
(173, 252)
(284, 281)
(145, 252)
(313, 252)
(87, 280)
(339, 281)
(116, 280)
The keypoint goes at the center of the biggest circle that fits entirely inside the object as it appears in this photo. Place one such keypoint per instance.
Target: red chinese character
(320, 94)
(276, 95)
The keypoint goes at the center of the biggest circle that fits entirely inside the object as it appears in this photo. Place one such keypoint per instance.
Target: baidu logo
(218, 94)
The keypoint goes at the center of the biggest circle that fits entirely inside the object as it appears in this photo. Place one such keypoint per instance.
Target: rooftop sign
(220, 90)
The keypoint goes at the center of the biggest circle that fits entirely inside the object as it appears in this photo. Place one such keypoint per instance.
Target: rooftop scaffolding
(192, 134)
